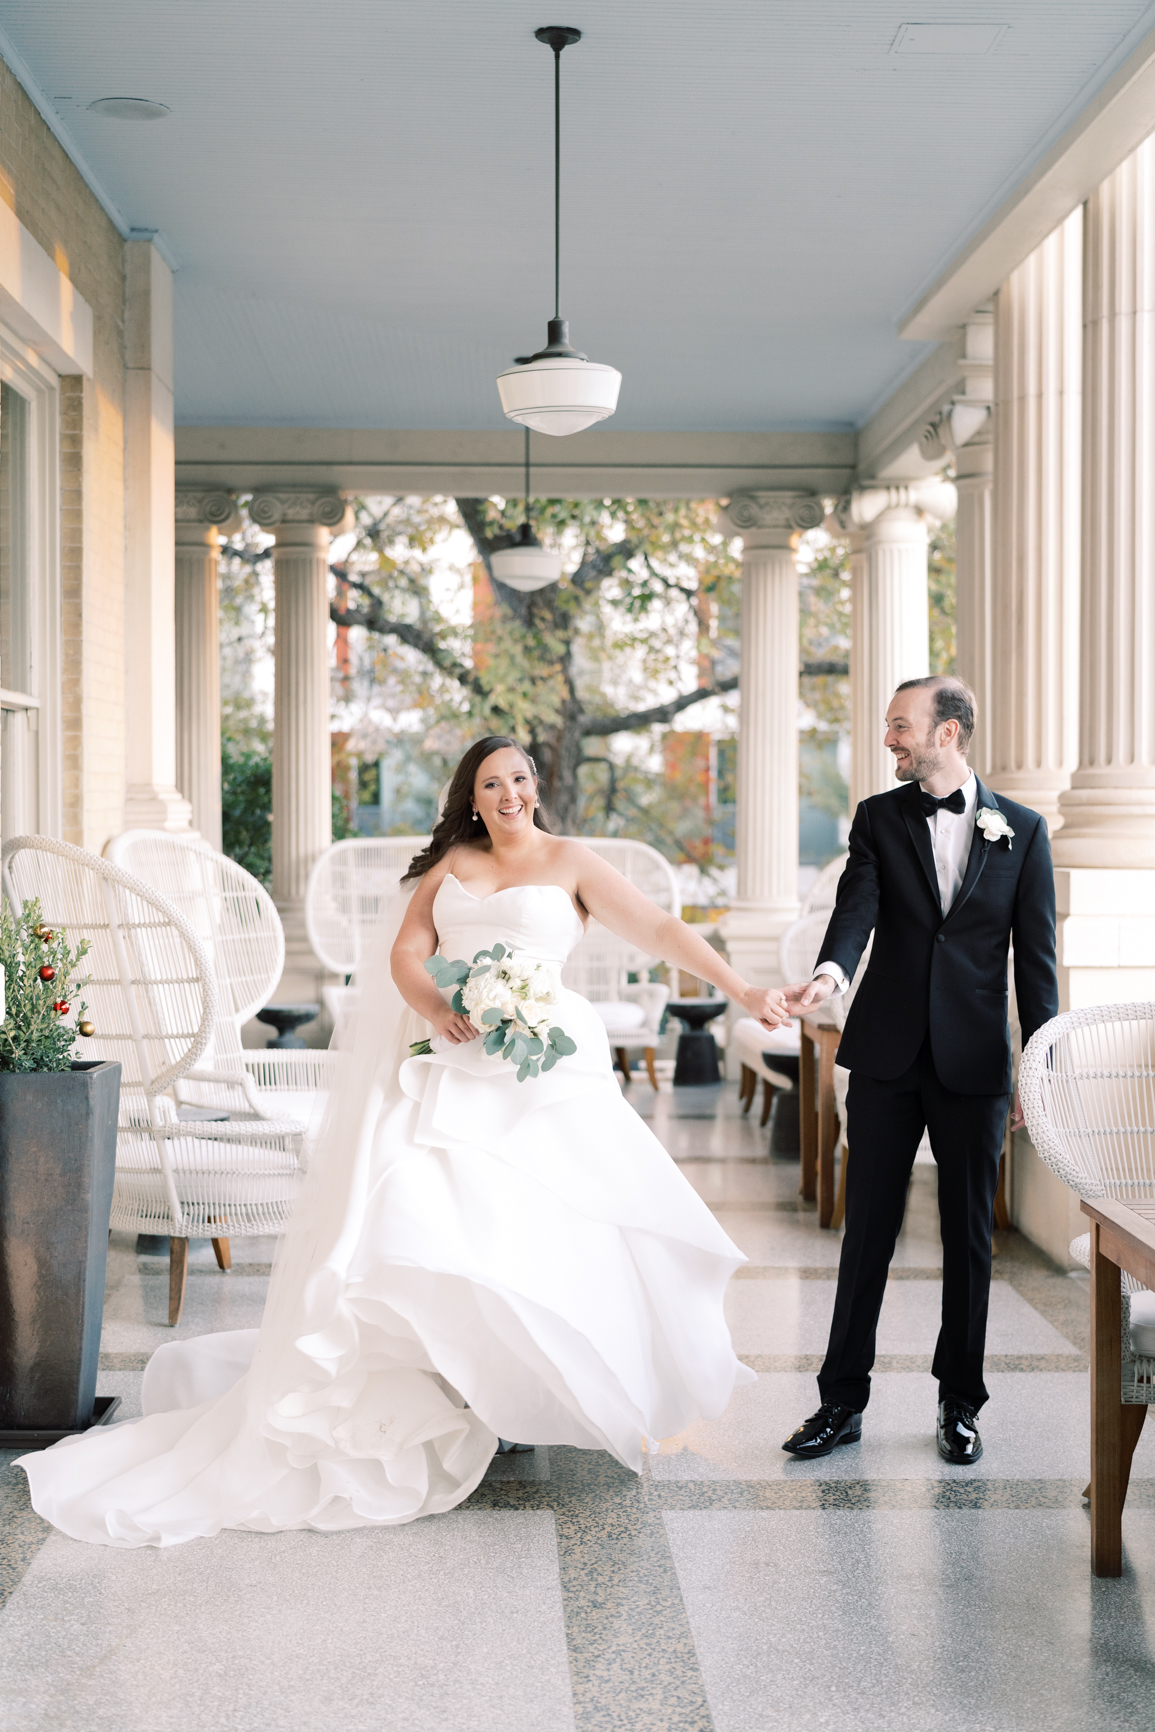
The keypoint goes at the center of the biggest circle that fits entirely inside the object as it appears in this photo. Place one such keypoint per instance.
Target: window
(30, 627)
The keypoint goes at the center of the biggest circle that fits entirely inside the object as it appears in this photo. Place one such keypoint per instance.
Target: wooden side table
(819, 1118)
(1122, 1237)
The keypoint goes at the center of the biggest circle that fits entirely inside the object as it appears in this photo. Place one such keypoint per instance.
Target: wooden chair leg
(177, 1276)
(223, 1254)
(1131, 1420)
(746, 1088)
(650, 1071)
(623, 1060)
(768, 1092)
(839, 1214)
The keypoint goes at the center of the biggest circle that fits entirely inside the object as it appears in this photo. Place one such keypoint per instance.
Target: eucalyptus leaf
(494, 1041)
(491, 1016)
(498, 952)
(549, 1060)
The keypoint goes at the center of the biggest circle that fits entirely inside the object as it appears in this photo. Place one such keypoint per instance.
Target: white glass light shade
(525, 568)
(559, 395)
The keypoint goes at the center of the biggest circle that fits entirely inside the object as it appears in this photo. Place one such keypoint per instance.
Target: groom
(947, 875)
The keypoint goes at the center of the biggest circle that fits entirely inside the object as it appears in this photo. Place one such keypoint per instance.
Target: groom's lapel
(920, 836)
(980, 848)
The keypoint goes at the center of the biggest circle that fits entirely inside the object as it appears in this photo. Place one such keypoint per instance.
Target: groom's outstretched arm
(856, 901)
(855, 912)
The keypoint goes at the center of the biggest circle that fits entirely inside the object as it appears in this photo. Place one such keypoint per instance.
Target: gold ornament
(86, 1028)
(44, 933)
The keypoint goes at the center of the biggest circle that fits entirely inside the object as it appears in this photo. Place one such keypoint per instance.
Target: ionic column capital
(930, 501)
(770, 519)
(200, 511)
(300, 508)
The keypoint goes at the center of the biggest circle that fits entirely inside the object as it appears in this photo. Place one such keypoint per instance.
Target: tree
(650, 602)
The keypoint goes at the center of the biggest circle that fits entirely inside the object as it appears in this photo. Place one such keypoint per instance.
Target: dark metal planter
(57, 1160)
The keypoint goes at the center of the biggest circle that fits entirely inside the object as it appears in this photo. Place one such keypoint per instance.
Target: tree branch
(657, 713)
(817, 670)
(371, 614)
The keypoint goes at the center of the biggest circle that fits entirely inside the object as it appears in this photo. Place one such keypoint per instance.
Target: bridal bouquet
(509, 999)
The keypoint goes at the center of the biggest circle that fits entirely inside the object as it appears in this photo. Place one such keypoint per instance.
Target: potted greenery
(57, 1160)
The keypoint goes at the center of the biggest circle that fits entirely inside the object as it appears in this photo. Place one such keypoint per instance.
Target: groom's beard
(923, 763)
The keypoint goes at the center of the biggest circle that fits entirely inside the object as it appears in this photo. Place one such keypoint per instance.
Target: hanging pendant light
(525, 565)
(558, 390)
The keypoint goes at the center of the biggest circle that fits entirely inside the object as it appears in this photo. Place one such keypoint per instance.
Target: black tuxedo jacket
(946, 973)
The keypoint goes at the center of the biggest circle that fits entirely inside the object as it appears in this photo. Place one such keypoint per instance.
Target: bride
(473, 1256)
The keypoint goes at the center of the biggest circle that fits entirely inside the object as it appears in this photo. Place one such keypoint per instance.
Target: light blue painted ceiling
(358, 194)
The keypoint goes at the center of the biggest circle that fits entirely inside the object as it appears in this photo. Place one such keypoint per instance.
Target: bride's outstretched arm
(621, 907)
(415, 943)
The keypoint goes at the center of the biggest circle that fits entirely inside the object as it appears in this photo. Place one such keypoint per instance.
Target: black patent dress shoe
(504, 1447)
(958, 1435)
(824, 1431)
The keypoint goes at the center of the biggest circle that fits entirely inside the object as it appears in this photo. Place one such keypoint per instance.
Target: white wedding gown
(472, 1257)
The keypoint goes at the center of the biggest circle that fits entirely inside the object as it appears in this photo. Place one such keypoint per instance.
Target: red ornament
(61, 1007)
(47, 973)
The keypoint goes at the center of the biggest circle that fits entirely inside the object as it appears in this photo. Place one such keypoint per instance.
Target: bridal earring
(476, 814)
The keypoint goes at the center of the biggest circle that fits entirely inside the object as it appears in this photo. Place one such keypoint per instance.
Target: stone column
(152, 800)
(889, 634)
(767, 791)
(1034, 698)
(303, 524)
(964, 430)
(201, 518)
(1109, 809)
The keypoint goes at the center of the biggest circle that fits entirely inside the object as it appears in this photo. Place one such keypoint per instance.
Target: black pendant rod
(557, 37)
(527, 475)
(557, 183)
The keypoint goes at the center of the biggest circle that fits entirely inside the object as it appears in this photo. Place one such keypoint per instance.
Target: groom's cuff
(836, 974)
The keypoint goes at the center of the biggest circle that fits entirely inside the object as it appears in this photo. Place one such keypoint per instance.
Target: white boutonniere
(993, 825)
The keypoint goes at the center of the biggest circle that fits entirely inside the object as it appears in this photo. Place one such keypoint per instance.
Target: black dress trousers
(885, 1124)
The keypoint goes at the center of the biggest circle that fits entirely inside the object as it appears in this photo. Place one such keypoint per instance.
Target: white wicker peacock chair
(152, 994)
(237, 922)
(1087, 1086)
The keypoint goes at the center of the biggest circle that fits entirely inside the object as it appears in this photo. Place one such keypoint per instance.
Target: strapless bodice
(539, 920)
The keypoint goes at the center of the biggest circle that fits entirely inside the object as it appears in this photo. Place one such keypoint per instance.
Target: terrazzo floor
(729, 1589)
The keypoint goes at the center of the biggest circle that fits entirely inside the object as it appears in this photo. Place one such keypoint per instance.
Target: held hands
(806, 994)
(767, 1005)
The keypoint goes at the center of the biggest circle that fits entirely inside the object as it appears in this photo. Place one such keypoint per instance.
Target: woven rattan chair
(152, 994)
(599, 967)
(345, 901)
(237, 922)
(1087, 1087)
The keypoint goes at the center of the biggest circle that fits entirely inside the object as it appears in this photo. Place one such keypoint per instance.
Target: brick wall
(39, 182)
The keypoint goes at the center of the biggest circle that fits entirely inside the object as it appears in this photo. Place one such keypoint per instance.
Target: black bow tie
(955, 802)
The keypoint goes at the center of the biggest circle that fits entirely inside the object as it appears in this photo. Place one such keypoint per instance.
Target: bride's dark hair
(456, 823)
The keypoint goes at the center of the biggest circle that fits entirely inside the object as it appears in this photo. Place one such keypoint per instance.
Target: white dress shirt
(951, 835)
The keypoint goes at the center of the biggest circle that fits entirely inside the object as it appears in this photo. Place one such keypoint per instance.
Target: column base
(303, 975)
(1106, 936)
(751, 932)
(1107, 828)
(148, 806)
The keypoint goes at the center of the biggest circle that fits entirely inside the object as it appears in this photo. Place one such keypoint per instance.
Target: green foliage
(941, 587)
(34, 1035)
(246, 808)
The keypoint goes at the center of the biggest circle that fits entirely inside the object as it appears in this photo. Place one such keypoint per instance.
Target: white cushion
(1143, 1324)
(621, 1015)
